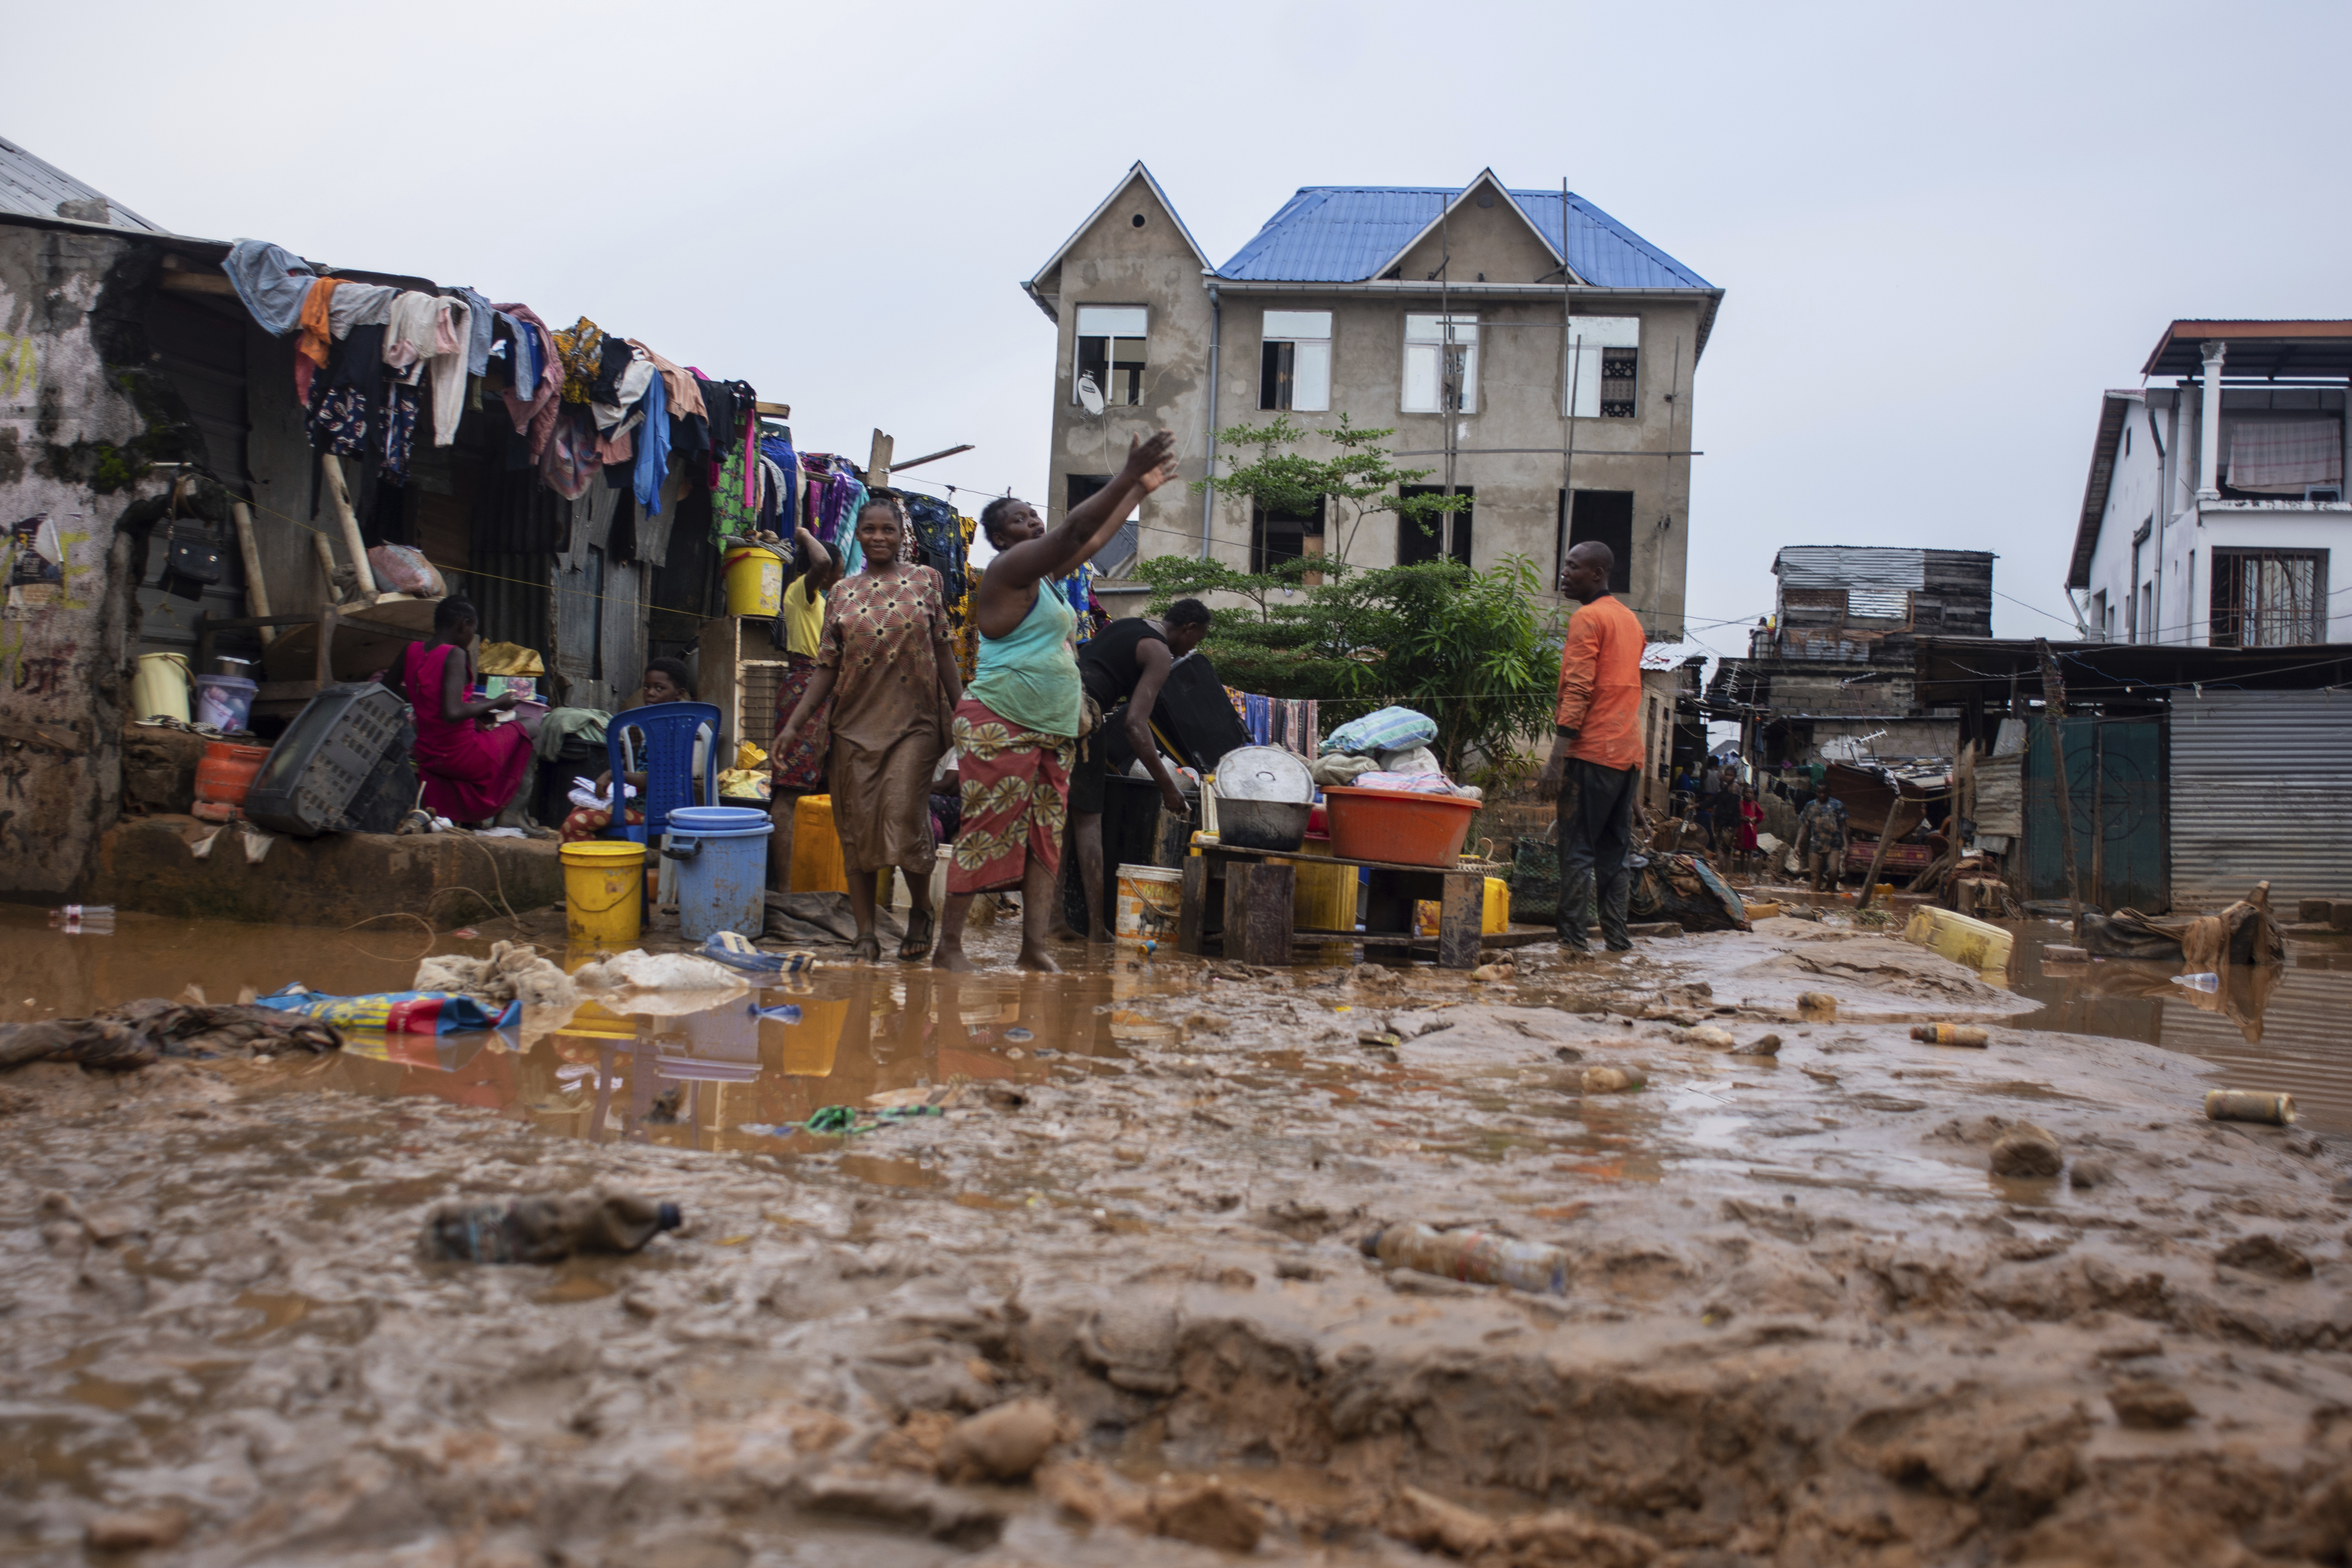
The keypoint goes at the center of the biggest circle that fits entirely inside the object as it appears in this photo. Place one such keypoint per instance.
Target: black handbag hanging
(195, 559)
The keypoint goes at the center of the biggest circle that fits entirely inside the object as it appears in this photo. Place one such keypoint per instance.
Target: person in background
(1016, 730)
(1679, 793)
(1723, 816)
(1127, 664)
(472, 770)
(666, 680)
(1595, 767)
(799, 771)
(1821, 836)
(886, 665)
(1752, 821)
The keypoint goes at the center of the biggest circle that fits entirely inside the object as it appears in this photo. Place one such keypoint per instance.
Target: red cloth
(1601, 685)
(1751, 814)
(469, 772)
(1016, 794)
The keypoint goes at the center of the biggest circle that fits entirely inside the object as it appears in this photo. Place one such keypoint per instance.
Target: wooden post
(326, 666)
(326, 554)
(1901, 818)
(1192, 910)
(877, 462)
(1258, 903)
(363, 576)
(257, 589)
(1461, 915)
(2053, 715)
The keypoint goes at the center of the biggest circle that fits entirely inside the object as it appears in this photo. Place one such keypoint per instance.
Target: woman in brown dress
(886, 662)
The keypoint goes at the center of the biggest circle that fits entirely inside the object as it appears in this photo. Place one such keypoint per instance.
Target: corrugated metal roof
(30, 186)
(1348, 234)
(1672, 655)
(1850, 566)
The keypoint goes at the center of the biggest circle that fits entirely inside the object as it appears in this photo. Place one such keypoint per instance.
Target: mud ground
(1805, 1322)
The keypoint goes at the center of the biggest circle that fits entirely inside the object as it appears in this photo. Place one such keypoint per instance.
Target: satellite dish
(1090, 398)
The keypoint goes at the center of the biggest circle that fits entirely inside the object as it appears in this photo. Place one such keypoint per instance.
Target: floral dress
(883, 631)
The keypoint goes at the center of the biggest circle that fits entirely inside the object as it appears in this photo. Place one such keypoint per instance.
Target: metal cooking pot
(1262, 824)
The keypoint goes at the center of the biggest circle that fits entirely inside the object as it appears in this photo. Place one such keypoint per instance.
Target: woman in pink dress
(472, 771)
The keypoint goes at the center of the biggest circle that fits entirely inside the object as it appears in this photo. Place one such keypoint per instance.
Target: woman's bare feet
(949, 956)
(1036, 958)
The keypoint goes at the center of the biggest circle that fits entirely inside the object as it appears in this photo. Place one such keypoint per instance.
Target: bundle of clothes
(1389, 749)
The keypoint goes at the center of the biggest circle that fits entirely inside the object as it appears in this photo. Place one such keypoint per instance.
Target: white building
(2219, 532)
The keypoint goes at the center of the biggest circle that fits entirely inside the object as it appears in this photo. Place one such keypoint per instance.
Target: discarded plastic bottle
(544, 1230)
(1951, 1034)
(2198, 981)
(88, 920)
(1471, 1255)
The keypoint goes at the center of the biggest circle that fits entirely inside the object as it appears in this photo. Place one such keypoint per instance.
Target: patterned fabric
(338, 421)
(399, 433)
(801, 765)
(883, 631)
(1016, 790)
(581, 348)
(963, 625)
(731, 517)
(588, 822)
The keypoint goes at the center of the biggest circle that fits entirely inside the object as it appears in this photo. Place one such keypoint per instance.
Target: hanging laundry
(477, 343)
(653, 445)
(271, 282)
(536, 412)
(568, 463)
(683, 392)
(310, 348)
(582, 346)
(399, 433)
(360, 305)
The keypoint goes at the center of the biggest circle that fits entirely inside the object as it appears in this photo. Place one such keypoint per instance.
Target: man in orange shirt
(1596, 761)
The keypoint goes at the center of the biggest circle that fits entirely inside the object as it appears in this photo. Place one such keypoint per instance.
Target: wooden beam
(198, 283)
(877, 461)
(363, 576)
(933, 456)
(257, 587)
(773, 410)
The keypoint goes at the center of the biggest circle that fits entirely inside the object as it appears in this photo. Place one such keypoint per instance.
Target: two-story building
(1526, 347)
(2216, 503)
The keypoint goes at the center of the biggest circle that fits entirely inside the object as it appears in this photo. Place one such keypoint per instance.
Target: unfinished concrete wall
(82, 423)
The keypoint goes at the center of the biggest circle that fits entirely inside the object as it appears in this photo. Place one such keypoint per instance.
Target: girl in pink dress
(471, 770)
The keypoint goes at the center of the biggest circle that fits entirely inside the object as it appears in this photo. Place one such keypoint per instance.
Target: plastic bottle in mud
(84, 919)
(1472, 1255)
(544, 1230)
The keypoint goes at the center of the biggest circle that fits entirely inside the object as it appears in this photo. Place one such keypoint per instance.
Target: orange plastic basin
(225, 774)
(1397, 825)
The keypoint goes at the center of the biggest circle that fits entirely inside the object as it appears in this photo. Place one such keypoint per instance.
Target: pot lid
(1264, 773)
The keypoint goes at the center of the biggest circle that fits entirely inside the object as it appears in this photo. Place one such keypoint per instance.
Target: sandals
(916, 945)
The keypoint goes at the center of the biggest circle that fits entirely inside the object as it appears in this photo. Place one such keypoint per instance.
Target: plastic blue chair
(665, 756)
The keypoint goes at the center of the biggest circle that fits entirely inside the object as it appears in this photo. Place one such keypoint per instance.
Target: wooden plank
(1193, 907)
(1461, 911)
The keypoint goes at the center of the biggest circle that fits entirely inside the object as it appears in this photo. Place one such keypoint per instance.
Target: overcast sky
(1942, 231)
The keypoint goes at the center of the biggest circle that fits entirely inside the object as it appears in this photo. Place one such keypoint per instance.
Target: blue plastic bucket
(722, 869)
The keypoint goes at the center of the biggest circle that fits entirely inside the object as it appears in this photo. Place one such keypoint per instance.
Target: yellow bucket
(1494, 914)
(603, 892)
(1148, 900)
(816, 848)
(160, 691)
(755, 582)
(1322, 896)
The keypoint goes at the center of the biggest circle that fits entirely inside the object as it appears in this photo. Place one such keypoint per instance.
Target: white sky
(1942, 232)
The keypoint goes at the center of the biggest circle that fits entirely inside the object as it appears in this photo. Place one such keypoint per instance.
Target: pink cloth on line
(468, 773)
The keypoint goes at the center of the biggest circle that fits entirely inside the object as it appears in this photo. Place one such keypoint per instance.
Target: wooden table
(1242, 898)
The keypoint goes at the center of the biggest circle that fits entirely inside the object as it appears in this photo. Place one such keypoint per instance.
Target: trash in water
(1816, 1005)
(2250, 1105)
(787, 1013)
(637, 969)
(1951, 1034)
(832, 1119)
(465, 933)
(2027, 1149)
(1711, 1037)
(1612, 1080)
(1017, 1033)
(735, 949)
(1762, 1046)
(1472, 1255)
(395, 1012)
(2207, 982)
(544, 1230)
(83, 920)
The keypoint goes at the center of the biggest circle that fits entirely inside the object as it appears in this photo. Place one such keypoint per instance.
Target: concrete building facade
(2231, 531)
(1446, 316)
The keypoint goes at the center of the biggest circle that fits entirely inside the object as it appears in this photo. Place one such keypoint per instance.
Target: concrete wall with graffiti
(79, 484)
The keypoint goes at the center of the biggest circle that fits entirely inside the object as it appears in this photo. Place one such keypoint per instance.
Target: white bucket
(1148, 901)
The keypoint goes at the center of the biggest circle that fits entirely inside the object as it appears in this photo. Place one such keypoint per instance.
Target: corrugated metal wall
(2262, 788)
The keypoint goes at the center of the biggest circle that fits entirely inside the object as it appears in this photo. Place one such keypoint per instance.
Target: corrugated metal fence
(2262, 788)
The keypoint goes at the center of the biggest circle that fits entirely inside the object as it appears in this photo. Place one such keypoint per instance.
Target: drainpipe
(1209, 491)
(2209, 425)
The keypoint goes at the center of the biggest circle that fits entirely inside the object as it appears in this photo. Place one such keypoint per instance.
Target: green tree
(1357, 481)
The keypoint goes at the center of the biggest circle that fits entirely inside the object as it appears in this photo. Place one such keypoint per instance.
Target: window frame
(1111, 362)
(1282, 375)
(1584, 356)
(2238, 559)
(1433, 349)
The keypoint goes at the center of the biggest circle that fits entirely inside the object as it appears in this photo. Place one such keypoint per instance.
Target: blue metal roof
(1348, 233)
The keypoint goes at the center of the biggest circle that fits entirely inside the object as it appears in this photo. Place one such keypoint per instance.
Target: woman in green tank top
(1017, 727)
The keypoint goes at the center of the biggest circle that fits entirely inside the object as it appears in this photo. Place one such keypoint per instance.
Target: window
(1295, 362)
(2099, 617)
(2143, 622)
(1607, 518)
(1111, 348)
(1286, 536)
(1419, 542)
(1604, 372)
(1441, 366)
(1123, 544)
(2269, 598)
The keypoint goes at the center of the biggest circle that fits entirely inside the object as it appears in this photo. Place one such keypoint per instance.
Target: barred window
(1617, 383)
(2269, 598)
